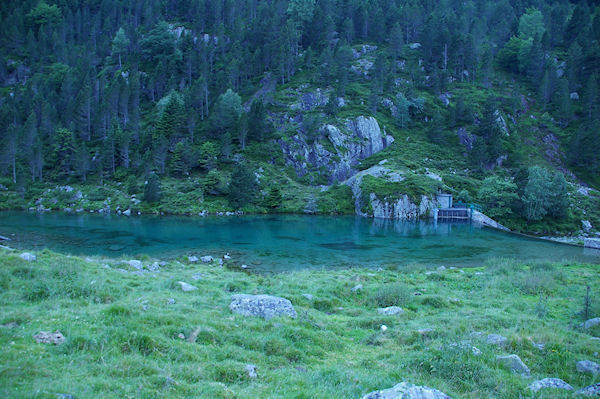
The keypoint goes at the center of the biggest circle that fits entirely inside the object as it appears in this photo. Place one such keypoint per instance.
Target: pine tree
(242, 187)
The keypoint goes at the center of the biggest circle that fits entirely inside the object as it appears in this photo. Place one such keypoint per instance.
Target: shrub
(392, 295)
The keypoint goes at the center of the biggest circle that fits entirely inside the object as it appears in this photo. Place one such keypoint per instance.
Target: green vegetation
(125, 338)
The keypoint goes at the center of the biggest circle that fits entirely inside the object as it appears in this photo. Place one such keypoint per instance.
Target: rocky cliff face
(337, 157)
(402, 208)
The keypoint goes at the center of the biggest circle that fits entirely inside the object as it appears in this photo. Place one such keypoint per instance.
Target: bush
(392, 295)
(152, 190)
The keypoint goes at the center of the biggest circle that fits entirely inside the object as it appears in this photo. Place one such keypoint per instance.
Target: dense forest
(102, 91)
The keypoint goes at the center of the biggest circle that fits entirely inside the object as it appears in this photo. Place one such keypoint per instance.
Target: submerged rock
(554, 383)
(265, 306)
(405, 390)
(514, 364)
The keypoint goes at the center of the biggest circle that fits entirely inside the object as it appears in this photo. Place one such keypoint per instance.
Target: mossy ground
(122, 333)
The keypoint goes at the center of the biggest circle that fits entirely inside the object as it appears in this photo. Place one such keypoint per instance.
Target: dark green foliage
(152, 191)
(242, 187)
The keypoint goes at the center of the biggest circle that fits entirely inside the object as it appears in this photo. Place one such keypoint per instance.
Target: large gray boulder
(406, 390)
(553, 383)
(587, 366)
(265, 306)
(514, 364)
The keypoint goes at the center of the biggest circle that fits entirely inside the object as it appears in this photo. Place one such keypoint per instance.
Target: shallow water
(278, 243)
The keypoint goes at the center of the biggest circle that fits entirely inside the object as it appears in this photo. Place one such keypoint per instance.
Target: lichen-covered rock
(265, 306)
(587, 366)
(553, 383)
(405, 390)
(514, 364)
(591, 390)
(496, 339)
(390, 311)
(45, 337)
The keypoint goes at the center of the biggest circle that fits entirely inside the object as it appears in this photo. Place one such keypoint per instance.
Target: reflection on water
(281, 242)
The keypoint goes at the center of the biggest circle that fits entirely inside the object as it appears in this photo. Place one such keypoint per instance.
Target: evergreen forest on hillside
(187, 104)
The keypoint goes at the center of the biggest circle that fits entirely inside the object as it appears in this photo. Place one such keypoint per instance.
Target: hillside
(303, 106)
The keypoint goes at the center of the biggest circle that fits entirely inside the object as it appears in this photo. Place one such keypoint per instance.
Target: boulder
(127, 212)
(586, 225)
(206, 259)
(357, 287)
(591, 323)
(591, 390)
(185, 287)
(390, 311)
(496, 339)
(553, 383)
(514, 364)
(28, 257)
(154, 267)
(44, 337)
(265, 306)
(405, 390)
(308, 296)
(192, 259)
(136, 264)
(587, 366)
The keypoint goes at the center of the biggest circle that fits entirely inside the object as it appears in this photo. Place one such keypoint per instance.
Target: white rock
(28, 257)
(496, 339)
(192, 259)
(383, 328)
(251, 370)
(206, 259)
(357, 288)
(185, 287)
(405, 390)
(137, 264)
(127, 212)
(514, 364)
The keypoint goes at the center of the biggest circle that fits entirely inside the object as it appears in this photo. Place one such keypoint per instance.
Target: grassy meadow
(136, 334)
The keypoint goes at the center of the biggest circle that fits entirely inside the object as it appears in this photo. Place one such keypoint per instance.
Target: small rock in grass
(171, 301)
(591, 390)
(425, 331)
(154, 267)
(206, 259)
(65, 396)
(244, 267)
(185, 287)
(226, 257)
(12, 324)
(28, 257)
(586, 366)
(383, 328)
(44, 337)
(251, 370)
(390, 311)
(441, 268)
(357, 288)
(554, 383)
(196, 277)
(180, 336)
(308, 296)
(192, 259)
(496, 339)
(514, 364)
(265, 306)
(476, 351)
(591, 323)
(136, 264)
(405, 390)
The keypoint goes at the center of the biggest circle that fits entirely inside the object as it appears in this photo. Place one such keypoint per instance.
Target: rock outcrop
(405, 390)
(265, 306)
(484, 220)
(358, 139)
(587, 366)
(401, 208)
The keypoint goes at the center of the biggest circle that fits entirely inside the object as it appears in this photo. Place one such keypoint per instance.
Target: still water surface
(278, 243)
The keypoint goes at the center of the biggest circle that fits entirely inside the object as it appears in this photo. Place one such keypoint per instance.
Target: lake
(280, 242)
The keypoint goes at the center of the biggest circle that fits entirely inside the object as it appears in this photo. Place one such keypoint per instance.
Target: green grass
(122, 333)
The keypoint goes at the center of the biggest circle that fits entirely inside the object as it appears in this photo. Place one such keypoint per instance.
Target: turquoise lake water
(278, 243)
